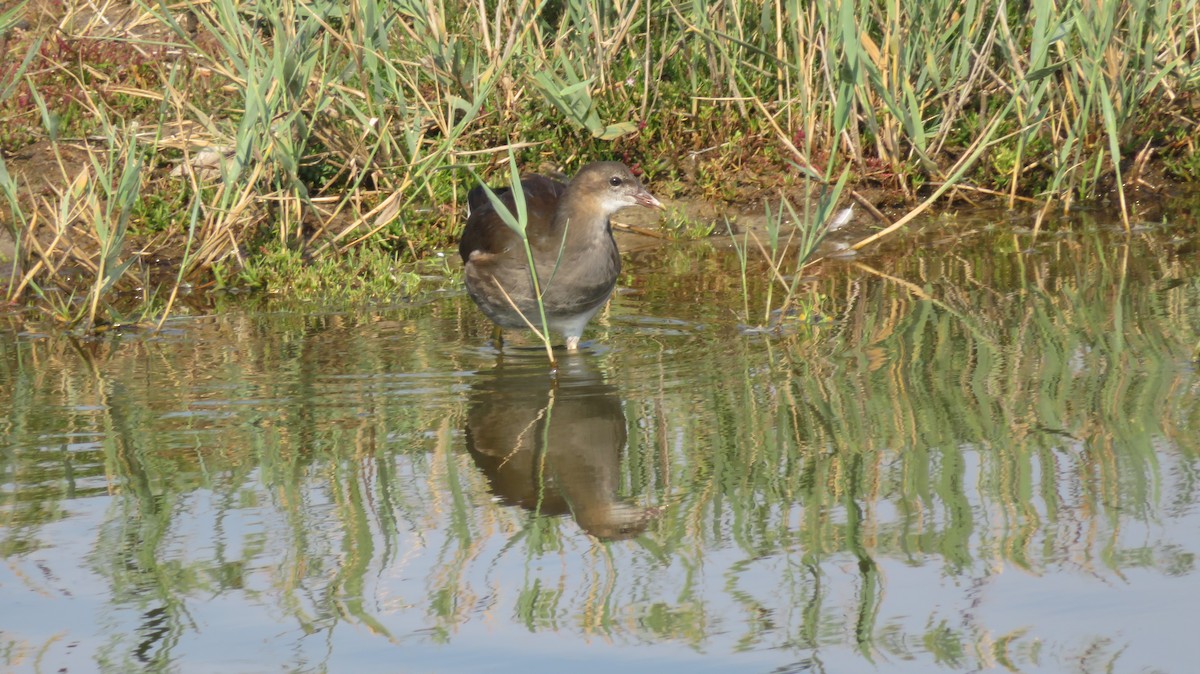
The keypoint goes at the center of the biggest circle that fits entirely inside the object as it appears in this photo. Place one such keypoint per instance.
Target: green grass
(679, 225)
(362, 274)
(351, 124)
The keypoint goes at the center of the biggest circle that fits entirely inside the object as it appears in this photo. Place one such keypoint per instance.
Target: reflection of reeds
(1031, 436)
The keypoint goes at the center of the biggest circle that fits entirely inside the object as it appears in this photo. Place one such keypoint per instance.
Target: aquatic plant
(517, 222)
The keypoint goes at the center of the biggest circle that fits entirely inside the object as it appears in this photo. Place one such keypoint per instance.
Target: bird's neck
(580, 218)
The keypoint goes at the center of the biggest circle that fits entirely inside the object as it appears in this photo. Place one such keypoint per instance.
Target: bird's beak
(646, 199)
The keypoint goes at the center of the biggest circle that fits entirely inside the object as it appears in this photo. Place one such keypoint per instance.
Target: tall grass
(331, 123)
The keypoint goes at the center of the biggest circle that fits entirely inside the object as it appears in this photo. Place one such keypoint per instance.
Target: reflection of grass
(899, 433)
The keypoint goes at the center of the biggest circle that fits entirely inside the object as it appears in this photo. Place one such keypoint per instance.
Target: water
(971, 456)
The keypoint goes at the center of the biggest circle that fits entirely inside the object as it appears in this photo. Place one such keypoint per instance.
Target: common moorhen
(574, 252)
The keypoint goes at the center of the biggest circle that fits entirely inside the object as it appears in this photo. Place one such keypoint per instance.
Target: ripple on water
(983, 447)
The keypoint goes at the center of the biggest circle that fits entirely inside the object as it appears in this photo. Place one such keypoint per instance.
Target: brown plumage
(573, 249)
(555, 445)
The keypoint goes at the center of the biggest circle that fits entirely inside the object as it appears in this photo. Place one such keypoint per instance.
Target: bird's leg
(498, 337)
(573, 343)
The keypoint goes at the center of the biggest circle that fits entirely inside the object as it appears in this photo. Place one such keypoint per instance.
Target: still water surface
(971, 456)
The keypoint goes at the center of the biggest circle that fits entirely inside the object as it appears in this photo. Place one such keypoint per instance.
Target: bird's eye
(615, 181)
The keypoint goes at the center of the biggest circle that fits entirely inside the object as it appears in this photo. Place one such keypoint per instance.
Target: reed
(325, 126)
(518, 222)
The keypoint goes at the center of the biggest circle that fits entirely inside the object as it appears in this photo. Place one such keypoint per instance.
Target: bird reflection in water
(553, 444)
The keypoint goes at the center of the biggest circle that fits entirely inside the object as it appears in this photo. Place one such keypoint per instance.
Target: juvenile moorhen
(574, 252)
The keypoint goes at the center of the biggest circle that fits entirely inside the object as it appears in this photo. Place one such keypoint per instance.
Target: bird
(570, 234)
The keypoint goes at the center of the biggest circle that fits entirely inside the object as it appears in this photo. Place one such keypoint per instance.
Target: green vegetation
(363, 274)
(333, 125)
(675, 223)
